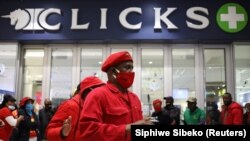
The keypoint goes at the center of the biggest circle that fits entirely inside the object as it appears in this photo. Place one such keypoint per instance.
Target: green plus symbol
(232, 17)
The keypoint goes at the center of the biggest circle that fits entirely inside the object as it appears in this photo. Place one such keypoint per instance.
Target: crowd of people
(100, 111)
(21, 123)
(232, 113)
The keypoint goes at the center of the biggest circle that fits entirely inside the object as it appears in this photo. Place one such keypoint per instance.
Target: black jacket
(26, 125)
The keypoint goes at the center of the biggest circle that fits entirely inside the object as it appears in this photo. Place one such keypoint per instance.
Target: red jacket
(232, 115)
(106, 112)
(71, 107)
(6, 130)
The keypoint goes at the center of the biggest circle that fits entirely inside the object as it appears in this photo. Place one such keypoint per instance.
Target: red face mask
(125, 79)
(157, 108)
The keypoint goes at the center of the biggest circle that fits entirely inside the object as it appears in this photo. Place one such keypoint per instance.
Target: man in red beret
(110, 110)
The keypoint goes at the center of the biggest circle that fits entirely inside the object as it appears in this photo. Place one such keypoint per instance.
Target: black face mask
(48, 107)
(227, 103)
(168, 105)
(209, 108)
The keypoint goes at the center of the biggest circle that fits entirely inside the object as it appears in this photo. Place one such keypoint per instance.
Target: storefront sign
(124, 20)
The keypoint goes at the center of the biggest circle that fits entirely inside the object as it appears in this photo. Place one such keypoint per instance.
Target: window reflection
(61, 75)
(152, 75)
(33, 74)
(242, 73)
(8, 54)
(214, 75)
(183, 76)
(91, 61)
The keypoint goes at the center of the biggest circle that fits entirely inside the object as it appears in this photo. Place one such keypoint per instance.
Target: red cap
(24, 100)
(90, 81)
(115, 59)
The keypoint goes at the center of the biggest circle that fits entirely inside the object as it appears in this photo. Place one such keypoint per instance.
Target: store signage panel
(124, 20)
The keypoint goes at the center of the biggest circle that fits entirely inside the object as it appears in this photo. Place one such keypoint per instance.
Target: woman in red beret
(110, 110)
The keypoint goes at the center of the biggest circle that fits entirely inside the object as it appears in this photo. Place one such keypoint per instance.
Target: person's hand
(21, 117)
(145, 121)
(66, 128)
(2, 123)
(173, 122)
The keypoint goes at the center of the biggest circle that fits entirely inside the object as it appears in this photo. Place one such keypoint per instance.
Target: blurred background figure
(213, 114)
(6, 108)
(160, 116)
(28, 129)
(193, 115)
(246, 116)
(171, 110)
(45, 115)
(232, 112)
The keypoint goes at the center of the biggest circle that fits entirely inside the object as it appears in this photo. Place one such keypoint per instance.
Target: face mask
(209, 108)
(125, 79)
(11, 107)
(157, 108)
(29, 108)
(48, 107)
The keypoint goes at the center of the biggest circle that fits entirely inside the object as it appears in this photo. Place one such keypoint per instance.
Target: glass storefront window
(61, 75)
(33, 74)
(91, 61)
(183, 73)
(242, 73)
(215, 82)
(113, 50)
(8, 54)
(152, 78)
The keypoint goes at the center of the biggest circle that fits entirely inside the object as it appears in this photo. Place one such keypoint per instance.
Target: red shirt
(6, 130)
(71, 107)
(106, 112)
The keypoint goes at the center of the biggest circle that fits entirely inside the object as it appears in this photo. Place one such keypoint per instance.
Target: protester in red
(64, 124)
(9, 122)
(161, 117)
(232, 113)
(110, 110)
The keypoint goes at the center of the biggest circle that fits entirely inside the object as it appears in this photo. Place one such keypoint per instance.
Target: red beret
(157, 101)
(24, 100)
(89, 82)
(115, 59)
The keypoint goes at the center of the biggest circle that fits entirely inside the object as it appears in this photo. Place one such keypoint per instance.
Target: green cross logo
(232, 17)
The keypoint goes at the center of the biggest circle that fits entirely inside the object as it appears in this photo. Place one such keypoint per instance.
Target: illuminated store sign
(140, 21)
(35, 19)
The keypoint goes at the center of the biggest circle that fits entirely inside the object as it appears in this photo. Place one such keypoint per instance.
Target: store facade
(180, 48)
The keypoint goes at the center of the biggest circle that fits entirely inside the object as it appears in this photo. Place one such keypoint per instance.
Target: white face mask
(11, 107)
